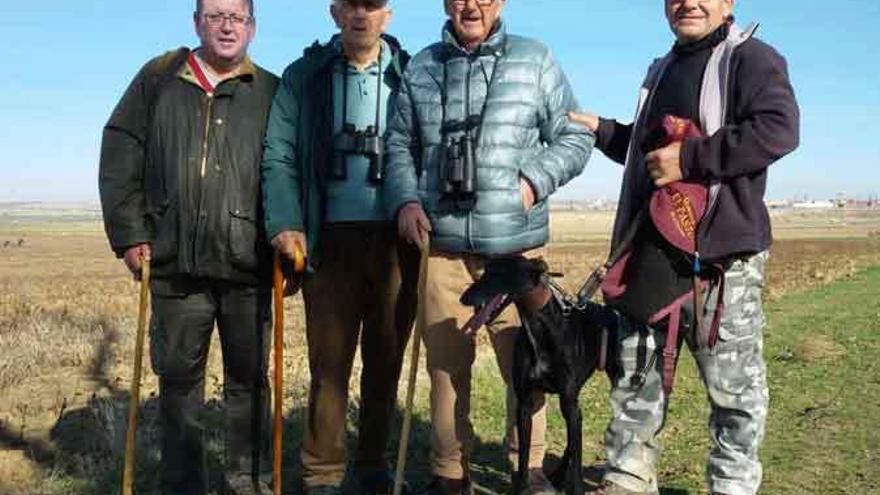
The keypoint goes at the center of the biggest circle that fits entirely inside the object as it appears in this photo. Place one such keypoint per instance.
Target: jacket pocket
(243, 239)
(165, 230)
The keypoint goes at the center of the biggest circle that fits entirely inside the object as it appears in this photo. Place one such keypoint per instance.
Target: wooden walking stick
(135, 395)
(278, 342)
(413, 371)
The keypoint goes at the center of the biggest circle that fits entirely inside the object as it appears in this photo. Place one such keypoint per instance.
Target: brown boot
(538, 483)
(448, 486)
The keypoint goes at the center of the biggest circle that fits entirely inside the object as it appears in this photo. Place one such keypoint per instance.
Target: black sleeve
(121, 169)
(765, 124)
(612, 138)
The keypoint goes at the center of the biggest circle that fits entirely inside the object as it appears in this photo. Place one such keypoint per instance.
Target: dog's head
(515, 276)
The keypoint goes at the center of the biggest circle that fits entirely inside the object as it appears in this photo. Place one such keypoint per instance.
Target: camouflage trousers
(733, 373)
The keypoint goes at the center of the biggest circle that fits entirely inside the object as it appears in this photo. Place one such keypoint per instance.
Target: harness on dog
(488, 312)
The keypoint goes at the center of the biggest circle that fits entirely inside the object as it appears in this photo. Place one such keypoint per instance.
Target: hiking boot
(448, 486)
(538, 483)
(245, 485)
(609, 488)
(379, 482)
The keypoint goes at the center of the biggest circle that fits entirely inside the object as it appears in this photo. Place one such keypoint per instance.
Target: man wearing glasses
(478, 142)
(179, 181)
(323, 175)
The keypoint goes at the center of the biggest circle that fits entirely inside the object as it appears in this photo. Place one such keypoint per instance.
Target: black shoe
(379, 482)
(323, 490)
(448, 486)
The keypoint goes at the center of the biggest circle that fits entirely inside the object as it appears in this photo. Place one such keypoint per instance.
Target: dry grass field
(67, 319)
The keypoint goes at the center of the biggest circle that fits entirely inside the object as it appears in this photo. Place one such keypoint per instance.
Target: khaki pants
(450, 357)
(363, 291)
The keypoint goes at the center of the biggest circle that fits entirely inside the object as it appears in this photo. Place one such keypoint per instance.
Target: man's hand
(664, 164)
(133, 257)
(288, 242)
(413, 225)
(527, 193)
(587, 120)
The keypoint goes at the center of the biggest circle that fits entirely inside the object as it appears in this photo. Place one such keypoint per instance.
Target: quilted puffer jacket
(521, 98)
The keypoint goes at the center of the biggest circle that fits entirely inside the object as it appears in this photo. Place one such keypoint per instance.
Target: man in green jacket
(323, 174)
(179, 182)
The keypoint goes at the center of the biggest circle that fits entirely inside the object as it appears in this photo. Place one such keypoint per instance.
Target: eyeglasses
(459, 4)
(216, 19)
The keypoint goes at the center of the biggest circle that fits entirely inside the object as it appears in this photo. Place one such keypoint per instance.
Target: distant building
(814, 205)
(777, 204)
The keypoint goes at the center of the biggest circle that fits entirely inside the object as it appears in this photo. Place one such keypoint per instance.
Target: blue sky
(69, 62)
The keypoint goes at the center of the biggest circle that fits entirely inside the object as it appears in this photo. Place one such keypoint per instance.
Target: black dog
(562, 344)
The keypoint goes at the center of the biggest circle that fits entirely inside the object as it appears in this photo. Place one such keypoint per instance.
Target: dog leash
(594, 281)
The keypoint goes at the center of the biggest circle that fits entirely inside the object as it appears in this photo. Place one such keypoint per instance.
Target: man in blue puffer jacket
(478, 141)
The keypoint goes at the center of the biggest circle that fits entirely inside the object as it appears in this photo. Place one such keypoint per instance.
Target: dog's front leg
(524, 405)
(574, 481)
(524, 440)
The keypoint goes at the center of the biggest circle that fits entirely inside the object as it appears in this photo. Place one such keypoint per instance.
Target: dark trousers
(184, 314)
(363, 291)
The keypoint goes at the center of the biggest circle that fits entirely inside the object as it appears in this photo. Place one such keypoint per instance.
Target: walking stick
(278, 342)
(135, 395)
(413, 371)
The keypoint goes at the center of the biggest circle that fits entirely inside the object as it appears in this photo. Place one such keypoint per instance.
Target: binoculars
(351, 141)
(458, 165)
(457, 169)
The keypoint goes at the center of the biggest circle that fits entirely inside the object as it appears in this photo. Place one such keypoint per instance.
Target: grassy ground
(822, 437)
(66, 325)
(822, 433)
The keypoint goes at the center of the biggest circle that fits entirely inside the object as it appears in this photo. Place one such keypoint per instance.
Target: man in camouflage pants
(733, 372)
(736, 89)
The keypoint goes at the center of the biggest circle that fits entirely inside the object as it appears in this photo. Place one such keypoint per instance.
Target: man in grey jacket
(478, 141)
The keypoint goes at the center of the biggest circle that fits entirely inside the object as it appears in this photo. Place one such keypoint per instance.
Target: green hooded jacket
(299, 142)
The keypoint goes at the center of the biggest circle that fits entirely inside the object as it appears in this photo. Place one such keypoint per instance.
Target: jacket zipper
(467, 116)
(208, 112)
(209, 106)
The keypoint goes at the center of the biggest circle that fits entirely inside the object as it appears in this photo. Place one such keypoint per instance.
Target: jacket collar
(493, 45)
(246, 71)
(322, 56)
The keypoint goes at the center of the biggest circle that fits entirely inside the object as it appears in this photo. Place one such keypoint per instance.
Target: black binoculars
(457, 171)
(458, 163)
(351, 141)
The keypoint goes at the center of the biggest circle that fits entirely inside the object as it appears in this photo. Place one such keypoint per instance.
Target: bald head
(369, 4)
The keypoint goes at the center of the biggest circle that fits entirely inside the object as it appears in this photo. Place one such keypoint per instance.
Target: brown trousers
(364, 290)
(450, 357)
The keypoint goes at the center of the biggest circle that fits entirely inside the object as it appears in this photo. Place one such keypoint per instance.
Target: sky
(70, 61)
